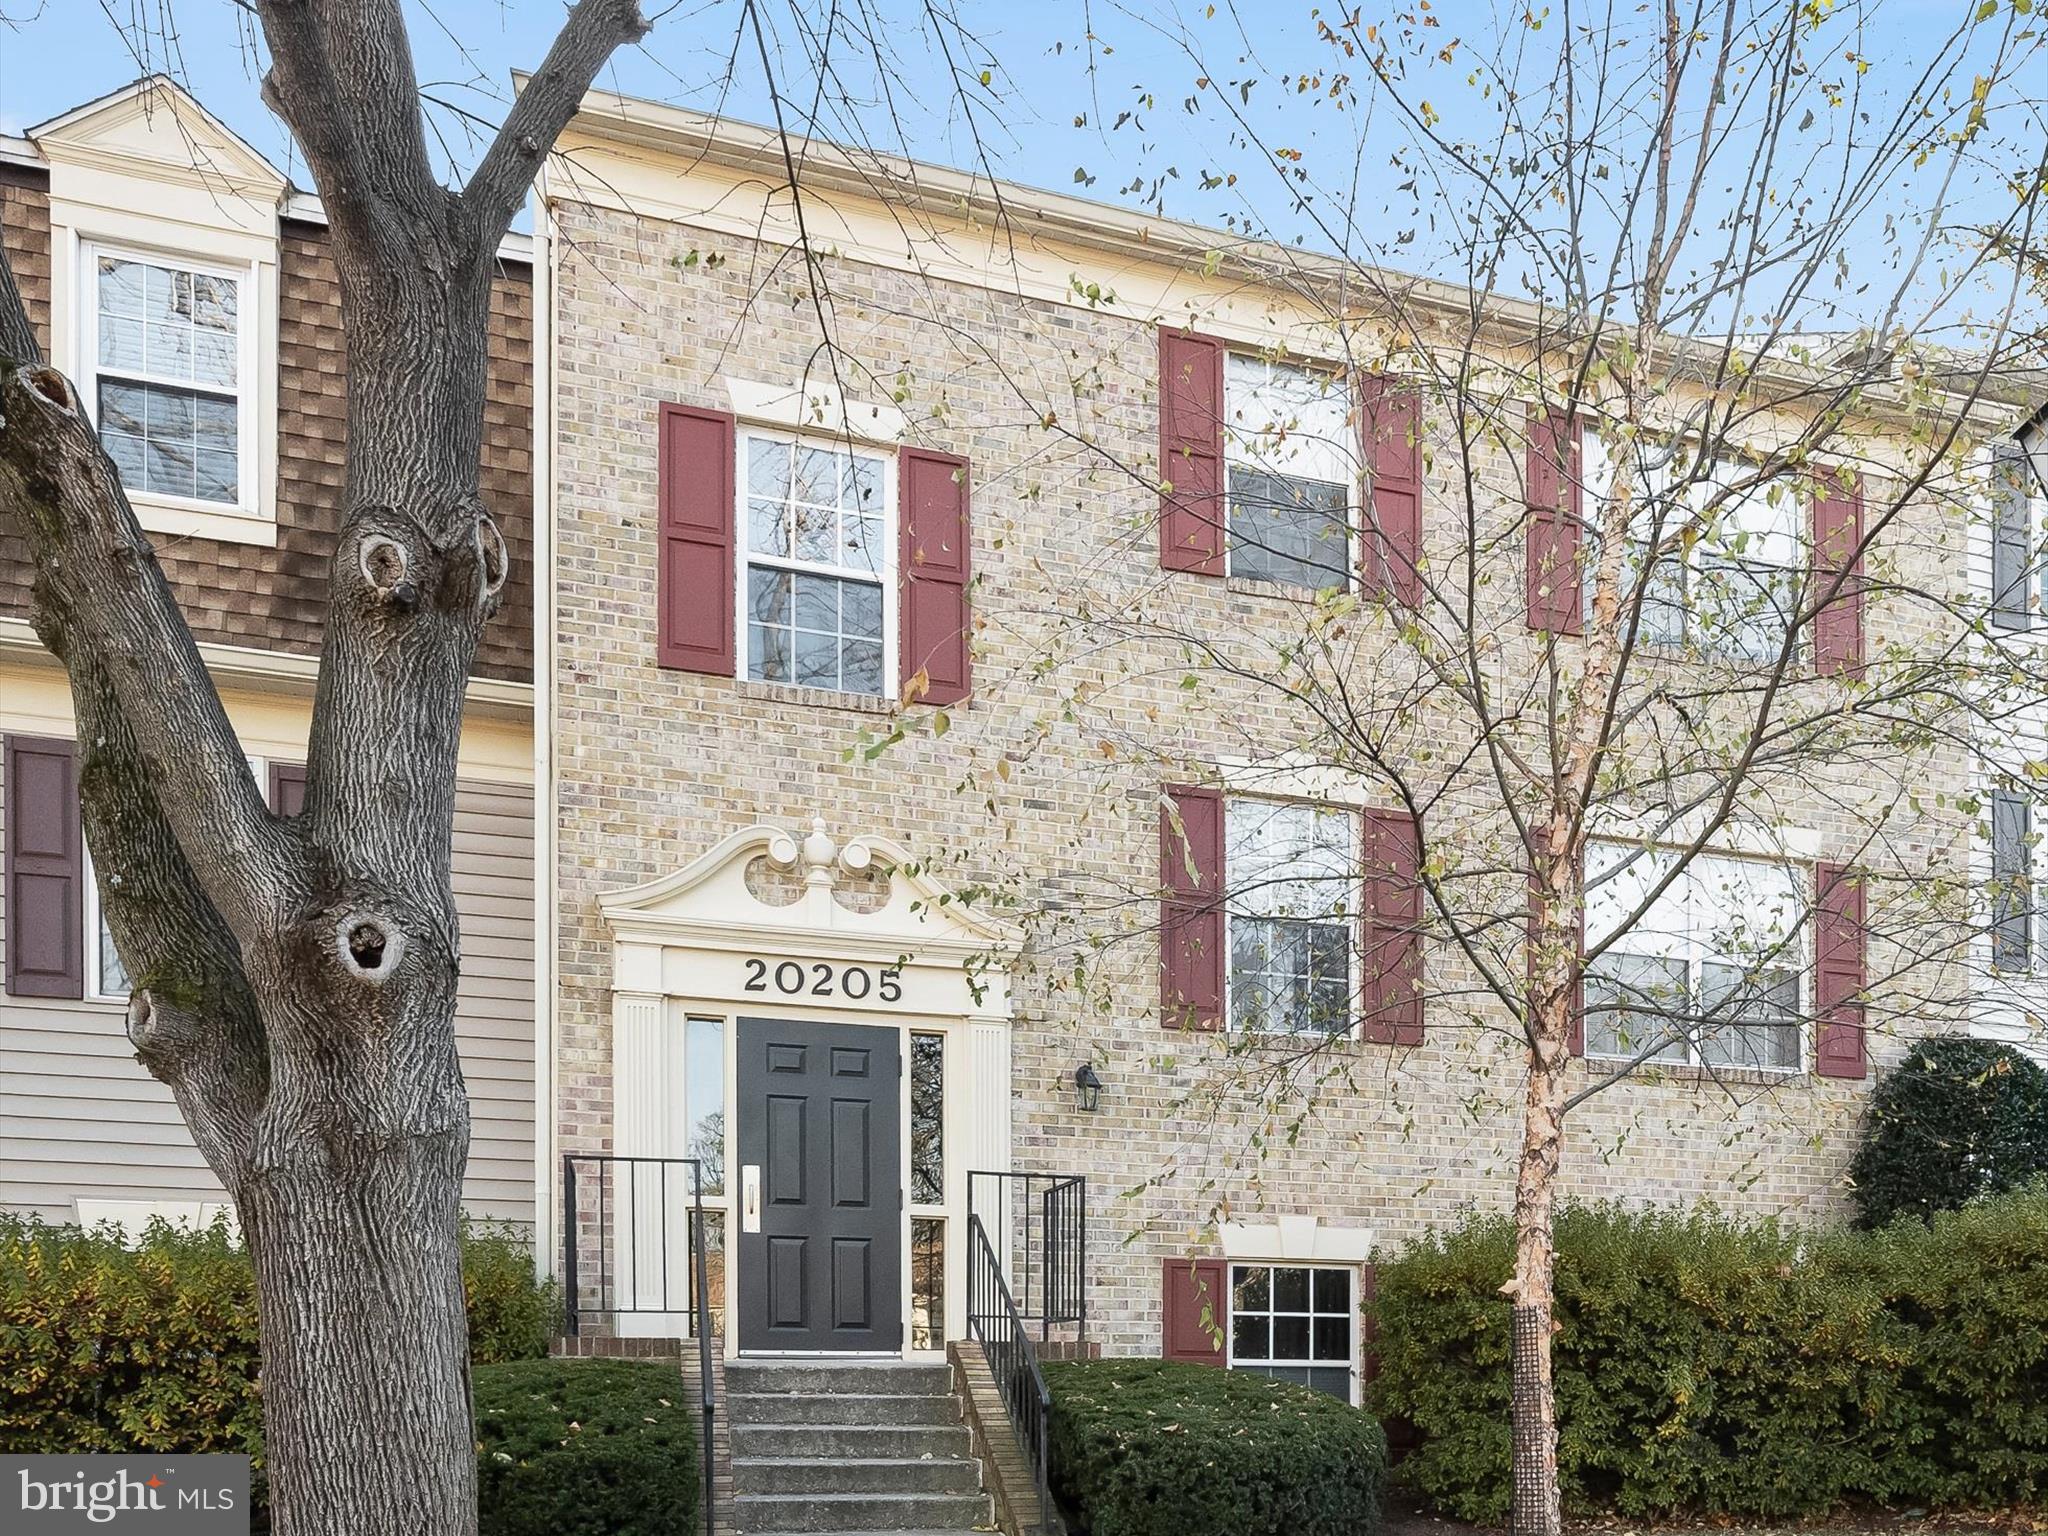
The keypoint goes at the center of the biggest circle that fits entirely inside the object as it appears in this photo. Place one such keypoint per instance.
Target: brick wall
(656, 766)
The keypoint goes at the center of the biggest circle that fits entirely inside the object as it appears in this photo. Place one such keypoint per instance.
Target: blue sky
(1099, 97)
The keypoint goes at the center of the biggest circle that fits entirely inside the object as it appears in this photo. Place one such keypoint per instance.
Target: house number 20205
(797, 978)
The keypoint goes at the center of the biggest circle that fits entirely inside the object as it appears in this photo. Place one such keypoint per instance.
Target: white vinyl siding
(80, 1119)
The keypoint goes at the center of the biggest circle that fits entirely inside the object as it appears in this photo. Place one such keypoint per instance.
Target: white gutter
(305, 208)
(546, 1240)
(280, 672)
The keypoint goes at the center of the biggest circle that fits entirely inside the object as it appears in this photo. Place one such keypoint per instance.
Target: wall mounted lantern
(1088, 1085)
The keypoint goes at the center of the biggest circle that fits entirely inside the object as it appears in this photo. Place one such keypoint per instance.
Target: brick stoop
(835, 1447)
(1012, 1480)
(682, 1354)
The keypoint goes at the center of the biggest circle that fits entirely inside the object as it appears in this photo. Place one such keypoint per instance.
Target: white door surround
(793, 925)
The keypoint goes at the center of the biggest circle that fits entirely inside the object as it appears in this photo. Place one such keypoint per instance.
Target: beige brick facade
(1045, 787)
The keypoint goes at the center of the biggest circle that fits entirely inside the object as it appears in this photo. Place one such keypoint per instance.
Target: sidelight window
(927, 1191)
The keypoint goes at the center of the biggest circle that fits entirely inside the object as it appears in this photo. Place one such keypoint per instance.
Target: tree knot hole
(493, 559)
(369, 949)
(387, 569)
(49, 383)
(140, 1010)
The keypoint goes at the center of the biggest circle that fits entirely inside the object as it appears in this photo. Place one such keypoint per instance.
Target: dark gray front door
(820, 1119)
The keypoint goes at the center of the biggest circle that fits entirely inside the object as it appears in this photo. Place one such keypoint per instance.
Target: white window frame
(248, 350)
(1350, 1314)
(1354, 896)
(96, 940)
(1795, 956)
(1598, 473)
(2034, 455)
(1233, 457)
(744, 556)
(2034, 929)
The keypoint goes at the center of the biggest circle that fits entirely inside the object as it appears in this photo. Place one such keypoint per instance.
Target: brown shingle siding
(276, 599)
(25, 234)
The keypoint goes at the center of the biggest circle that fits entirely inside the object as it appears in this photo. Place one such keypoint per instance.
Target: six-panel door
(820, 1150)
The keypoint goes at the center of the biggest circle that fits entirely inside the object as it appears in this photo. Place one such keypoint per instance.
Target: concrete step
(838, 1408)
(858, 1441)
(828, 1475)
(868, 1378)
(810, 1512)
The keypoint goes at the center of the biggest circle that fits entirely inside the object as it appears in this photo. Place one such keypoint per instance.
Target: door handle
(750, 1197)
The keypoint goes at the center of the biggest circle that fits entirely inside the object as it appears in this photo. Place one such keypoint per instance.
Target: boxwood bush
(1711, 1366)
(585, 1448)
(1163, 1448)
(1958, 1118)
(107, 1347)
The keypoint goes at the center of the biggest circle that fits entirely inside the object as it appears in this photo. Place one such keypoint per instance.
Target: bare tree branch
(594, 31)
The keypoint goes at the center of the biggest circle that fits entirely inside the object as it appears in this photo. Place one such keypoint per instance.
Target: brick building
(186, 287)
(879, 831)
(817, 733)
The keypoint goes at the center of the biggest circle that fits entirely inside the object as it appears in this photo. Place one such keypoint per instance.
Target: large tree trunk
(365, 1346)
(295, 980)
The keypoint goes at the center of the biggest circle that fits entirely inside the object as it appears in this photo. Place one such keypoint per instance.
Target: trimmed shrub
(1958, 1118)
(104, 1347)
(511, 1315)
(1712, 1366)
(1165, 1448)
(584, 1448)
(107, 1348)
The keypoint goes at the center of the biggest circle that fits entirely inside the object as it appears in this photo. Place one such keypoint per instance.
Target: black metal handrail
(997, 1325)
(617, 1219)
(1039, 1223)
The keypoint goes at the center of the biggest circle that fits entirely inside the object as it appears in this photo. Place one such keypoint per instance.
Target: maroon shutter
(1575, 1041)
(1838, 979)
(1390, 546)
(1191, 452)
(932, 493)
(1837, 541)
(1555, 524)
(1194, 1310)
(1190, 909)
(45, 874)
(695, 626)
(1392, 993)
(287, 788)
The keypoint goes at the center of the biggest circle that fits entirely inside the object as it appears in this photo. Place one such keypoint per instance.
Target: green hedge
(1160, 1448)
(584, 1448)
(1957, 1119)
(1710, 1366)
(104, 1347)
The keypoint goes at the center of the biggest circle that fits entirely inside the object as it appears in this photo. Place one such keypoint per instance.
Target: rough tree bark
(295, 980)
